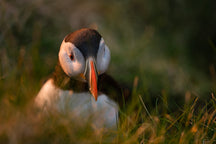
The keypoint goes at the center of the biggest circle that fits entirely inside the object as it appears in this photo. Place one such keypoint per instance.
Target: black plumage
(86, 40)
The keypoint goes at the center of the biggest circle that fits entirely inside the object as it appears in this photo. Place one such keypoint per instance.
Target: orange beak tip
(94, 93)
(95, 98)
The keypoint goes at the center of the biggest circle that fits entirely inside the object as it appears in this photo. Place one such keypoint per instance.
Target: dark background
(169, 45)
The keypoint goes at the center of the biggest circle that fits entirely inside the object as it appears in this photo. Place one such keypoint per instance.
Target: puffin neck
(63, 81)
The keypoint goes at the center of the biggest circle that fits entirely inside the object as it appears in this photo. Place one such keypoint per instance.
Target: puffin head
(83, 56)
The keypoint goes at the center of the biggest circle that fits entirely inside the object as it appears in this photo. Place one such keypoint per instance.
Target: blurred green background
(168, 46)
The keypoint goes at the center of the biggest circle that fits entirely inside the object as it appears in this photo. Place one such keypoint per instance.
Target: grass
(194, 121)
(173, 99)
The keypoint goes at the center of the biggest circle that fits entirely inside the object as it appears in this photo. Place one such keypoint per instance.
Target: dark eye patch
(71, 56)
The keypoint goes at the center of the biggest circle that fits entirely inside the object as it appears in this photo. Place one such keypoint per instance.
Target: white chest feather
(103, 112)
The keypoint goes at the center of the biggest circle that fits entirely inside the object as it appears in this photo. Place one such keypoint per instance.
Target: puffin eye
(71, 56)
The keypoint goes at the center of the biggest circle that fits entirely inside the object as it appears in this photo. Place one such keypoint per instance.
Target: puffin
(80, 85)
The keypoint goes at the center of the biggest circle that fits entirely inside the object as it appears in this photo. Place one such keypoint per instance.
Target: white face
(71, 59)
(103, 57)
(73, 62)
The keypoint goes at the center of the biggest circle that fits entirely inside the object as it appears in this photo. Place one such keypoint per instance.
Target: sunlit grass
(194, 121)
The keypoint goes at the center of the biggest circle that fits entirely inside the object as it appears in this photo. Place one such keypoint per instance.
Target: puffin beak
(91, 76)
